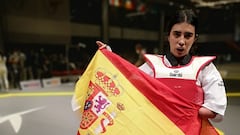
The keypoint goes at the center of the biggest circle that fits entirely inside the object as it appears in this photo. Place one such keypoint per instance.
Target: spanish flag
(116, 98)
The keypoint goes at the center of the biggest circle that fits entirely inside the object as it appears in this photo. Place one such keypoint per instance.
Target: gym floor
(48, 111)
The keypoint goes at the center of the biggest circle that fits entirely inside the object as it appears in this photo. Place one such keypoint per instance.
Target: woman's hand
(101, 45)
(206, 113)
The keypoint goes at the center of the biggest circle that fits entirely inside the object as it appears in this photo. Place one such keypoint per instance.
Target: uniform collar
(175, 62)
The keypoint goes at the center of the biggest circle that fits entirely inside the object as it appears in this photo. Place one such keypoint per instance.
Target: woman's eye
(188, 35)
(177, 34)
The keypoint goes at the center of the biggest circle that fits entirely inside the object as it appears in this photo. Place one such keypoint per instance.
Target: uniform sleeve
(147, 69)
(214, 90)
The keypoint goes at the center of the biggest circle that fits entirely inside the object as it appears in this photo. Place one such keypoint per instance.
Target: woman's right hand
(101, 45)
(206, 113)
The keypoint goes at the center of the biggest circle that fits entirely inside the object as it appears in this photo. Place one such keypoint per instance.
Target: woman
(195, 78)
(192, 77)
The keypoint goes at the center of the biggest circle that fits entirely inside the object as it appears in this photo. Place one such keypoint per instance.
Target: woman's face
(181, 39)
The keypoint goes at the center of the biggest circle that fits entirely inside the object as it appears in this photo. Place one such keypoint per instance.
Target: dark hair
(184, 15)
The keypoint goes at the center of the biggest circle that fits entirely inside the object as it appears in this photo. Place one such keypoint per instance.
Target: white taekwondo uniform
(199, 81)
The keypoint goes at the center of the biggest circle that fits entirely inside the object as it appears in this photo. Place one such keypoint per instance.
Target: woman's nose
(181, 42)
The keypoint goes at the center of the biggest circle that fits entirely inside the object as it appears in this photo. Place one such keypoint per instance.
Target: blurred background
(47, 44)
(46, 38)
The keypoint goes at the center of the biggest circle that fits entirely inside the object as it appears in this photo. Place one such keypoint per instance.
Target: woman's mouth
(180, 49)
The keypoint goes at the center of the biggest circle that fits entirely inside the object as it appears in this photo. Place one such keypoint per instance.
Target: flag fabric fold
(117, 98)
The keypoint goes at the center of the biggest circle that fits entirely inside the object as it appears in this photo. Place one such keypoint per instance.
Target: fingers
(101, 44)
